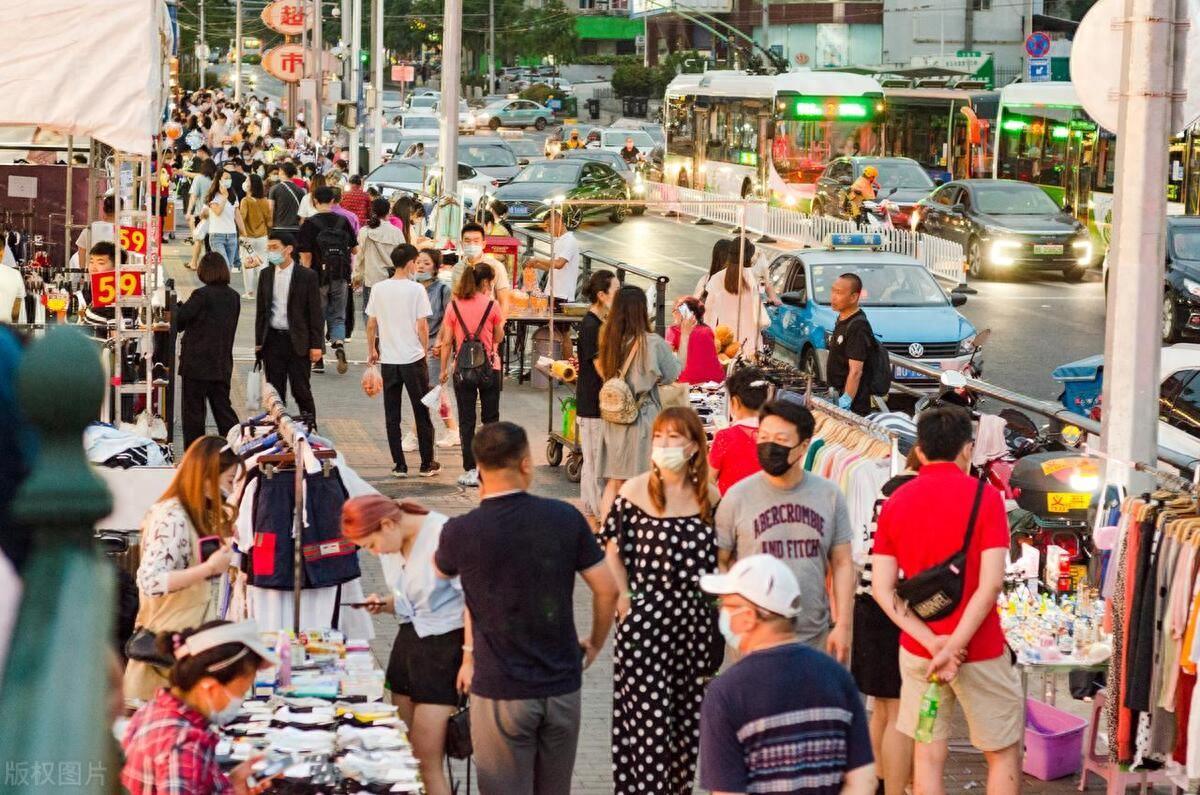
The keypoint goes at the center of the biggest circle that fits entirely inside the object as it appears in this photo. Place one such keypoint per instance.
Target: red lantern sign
(285, 16)
(285, 62)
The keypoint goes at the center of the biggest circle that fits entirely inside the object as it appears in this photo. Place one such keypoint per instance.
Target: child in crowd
(702, 364)
(734, 451)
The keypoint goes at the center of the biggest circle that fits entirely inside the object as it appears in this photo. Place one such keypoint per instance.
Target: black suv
(912, 183)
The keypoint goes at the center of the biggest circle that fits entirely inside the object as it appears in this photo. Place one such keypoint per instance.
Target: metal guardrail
(1043, 408)
(588, 260)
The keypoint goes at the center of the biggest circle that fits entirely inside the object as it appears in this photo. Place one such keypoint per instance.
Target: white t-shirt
(12, 287)
(97, 232)
(225, 223)
(566, 278)
(397, 305)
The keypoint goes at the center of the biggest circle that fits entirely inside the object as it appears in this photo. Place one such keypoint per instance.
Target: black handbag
(936, 592)
(140, 647)
(458, 732)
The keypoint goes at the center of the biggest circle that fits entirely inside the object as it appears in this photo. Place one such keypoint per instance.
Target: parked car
(530, 195)
(391, 102)
(493, 157)
(613, 140)
(417, 176)
(515, 113)
(910, 313)
(397, 142)
(526, 149)
(635, 181)
(466, 117)
(419, 123)
(423, 102)
(1181, 298)
(1005, 225)
(912, 183)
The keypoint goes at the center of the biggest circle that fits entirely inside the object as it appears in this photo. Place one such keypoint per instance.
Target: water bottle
(929, 710)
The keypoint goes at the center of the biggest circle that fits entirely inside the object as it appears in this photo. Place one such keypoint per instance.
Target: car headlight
(1083, 251)
(1192, 287)
(1004, 252)
(966, 345)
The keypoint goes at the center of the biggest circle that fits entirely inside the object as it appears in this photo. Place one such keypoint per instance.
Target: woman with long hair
(427, 669)
(701, 365)
(723, 253)
(600, 290)
(659, 538)
(376, 240)
(256, 211)
(176, 586)
(408, 214)
(732, 300)
(223, 219)
(306, 204)
(629, 350)
(202, 183)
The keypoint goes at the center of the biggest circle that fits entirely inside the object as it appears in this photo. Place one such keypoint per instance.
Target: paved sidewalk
(355, 423)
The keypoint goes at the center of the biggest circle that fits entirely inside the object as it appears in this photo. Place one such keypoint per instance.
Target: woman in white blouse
(430, 665)
(176, 588)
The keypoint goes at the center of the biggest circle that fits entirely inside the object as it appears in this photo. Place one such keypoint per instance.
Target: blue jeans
(225, 243)
(333, 299)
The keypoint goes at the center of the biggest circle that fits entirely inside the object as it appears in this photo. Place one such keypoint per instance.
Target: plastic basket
(1053, 741)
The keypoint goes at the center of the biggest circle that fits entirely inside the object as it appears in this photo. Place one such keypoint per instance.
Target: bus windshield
(801, 149)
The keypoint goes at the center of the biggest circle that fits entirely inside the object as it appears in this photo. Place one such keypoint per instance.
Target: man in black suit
(289, 326)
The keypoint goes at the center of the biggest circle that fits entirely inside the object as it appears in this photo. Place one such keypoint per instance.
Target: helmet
(870, 172)
(574, 133)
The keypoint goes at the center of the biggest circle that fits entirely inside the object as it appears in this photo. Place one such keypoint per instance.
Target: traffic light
(364, 57)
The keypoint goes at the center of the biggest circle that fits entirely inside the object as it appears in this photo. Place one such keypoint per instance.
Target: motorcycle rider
(630, 153)
(863, 189)
(574, 142)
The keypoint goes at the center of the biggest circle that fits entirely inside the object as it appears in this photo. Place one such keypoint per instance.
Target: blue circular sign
(1037, 45)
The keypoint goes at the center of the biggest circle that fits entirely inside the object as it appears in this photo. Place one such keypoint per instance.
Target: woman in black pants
(472, 315)
(208, 321)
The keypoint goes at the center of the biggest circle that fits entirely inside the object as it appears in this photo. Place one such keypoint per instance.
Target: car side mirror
(795, 298)
(524, 161)
(938, 182)
(957, 299)
(845, 181)
(959, 209)
(1068, 209)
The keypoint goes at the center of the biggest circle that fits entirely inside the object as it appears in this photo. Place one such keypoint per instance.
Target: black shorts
(425, 669)
(875, 650)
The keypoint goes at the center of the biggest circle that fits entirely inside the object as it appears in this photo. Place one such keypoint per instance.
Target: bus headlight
(1004, 252)
(1083, 251)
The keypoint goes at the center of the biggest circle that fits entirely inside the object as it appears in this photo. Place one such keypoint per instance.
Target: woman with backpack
(633, 361)
(470, 354)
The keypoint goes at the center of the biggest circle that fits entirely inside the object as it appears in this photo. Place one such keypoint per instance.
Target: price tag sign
(105, 286)
(133, 239)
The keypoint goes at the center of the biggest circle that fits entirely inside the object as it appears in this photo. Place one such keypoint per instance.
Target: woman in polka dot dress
(659, 538)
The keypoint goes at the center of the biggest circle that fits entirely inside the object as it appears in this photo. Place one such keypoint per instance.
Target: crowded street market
(701, 410)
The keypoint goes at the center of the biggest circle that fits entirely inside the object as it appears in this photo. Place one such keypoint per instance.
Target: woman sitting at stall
(177, 588)
(702, 364)
(169, 744)
(427, 669)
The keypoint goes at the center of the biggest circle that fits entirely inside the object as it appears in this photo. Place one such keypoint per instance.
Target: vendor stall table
(516, 330)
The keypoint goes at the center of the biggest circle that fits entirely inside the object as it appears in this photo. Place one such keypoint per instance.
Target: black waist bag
(936, 592)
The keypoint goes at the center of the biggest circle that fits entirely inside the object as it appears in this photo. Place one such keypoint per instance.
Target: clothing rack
(880, 432)
(297, 439)
(1168, 479)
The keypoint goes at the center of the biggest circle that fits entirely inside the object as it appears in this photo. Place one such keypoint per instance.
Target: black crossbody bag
(936, 592)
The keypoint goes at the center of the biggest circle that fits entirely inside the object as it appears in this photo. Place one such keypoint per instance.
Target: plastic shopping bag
(372, 381)
(254, 378)
(433, 397)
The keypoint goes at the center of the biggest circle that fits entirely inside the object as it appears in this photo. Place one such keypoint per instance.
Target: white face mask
(725, 625)
(473, 250)
(224, 716)
(226, 182)
(672, 458)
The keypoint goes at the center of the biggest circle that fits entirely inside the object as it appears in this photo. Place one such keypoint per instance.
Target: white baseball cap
(764, 580)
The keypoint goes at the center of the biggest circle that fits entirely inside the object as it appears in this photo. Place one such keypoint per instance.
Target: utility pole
(355, 79)
(237, 65)
(1134, 317)
(491, 47)
(345, 37)
(316, 123)
(377, 62)
(451, 78)
(968, 25)
(203, 59)
(766, 24)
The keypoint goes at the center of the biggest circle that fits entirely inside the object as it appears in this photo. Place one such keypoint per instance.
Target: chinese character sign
(285, 62)
(284, 16)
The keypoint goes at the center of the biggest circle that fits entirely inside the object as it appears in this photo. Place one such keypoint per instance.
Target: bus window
(680, 120)
(1033, 148)
(802, 149)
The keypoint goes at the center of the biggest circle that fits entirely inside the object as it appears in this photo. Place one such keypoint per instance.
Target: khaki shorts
(988, 691)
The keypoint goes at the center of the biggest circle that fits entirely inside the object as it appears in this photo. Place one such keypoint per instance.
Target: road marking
(676, 260)
(984, 295)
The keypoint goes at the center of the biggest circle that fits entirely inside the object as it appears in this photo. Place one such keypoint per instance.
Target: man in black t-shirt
(517, 556)
(326, 244)
(285, 199)
(849, 345)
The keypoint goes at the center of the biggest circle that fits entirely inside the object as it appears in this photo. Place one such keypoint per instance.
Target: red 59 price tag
(133, 239)
(105, 286)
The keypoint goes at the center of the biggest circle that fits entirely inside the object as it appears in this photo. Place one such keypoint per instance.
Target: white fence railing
(943, 258)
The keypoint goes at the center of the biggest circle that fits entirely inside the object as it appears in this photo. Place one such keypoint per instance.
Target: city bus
(767, 135)
(946, 130)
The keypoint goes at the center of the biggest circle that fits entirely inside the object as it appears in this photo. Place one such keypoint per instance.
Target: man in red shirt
(356, 200)
(923, 523)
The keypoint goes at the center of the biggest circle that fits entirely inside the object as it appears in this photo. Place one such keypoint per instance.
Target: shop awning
(90, 68)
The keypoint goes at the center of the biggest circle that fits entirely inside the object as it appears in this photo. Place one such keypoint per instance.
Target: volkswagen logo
(916, 350)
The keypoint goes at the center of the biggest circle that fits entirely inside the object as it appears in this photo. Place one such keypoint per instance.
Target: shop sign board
(105, 286)
(285, 16)
(133, 240)
(22, 187)
(285, 62)
(404, 73)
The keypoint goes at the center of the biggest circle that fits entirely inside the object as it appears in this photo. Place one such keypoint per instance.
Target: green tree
(550, 30)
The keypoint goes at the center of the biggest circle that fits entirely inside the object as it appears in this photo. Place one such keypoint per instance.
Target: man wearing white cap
(785, 718)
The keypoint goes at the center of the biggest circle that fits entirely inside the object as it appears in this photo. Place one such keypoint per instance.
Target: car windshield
(611, 159)
(497, 106)
(523, 147)
(421, 122)
(1013, 200)
(656, 135)
(484, 156)
(391, 97)
(616, 138)
(555, 171)
(391, 135)
(397, 172)
(883, 284)
(900, 174)
(423, 102)
(1185, 243)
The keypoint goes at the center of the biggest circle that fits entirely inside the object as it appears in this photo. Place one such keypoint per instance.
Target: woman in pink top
(702, 364)
(474, 314)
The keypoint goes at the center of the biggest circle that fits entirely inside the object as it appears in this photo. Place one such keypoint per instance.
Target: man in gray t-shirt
(799, 518)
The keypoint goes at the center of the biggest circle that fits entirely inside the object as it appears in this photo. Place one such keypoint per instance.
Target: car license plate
(1048, 248)
(517, 209)
(904, 374)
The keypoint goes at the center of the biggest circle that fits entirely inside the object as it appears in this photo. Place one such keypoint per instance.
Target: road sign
(402, 73)
(1039, 70)
(968, 54)
(1037, 45)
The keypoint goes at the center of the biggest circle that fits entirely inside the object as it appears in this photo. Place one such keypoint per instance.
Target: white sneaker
(409, 443)
(470, 478)
(449, 440)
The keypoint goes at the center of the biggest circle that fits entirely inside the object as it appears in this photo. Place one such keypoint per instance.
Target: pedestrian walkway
(355, 423)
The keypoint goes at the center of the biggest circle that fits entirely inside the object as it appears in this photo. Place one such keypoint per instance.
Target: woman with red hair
(431, 656)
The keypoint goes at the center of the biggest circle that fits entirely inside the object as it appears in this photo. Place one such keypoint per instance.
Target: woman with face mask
(429, 264)
(659, 539)
(169, 744)
(177, 588)
(223, 219)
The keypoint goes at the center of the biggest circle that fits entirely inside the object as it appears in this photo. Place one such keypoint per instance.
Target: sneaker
(431, 470)
(449, 440)
(399, 473)
(470, 478)
(342, 364)
(319, 366)
(409, 443)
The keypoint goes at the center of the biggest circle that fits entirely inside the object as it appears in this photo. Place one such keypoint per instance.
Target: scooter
(954, 389)
(877, 215)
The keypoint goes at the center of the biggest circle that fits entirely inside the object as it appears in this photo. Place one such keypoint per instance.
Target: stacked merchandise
(712, 404)
(1060, 629)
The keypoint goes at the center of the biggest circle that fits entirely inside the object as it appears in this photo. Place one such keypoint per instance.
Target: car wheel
(809, 364)
(554, 453)
(618, 214)
(540, 124)
(1170, 329)
(976, 264)
(494, 123)
(639, 210)
(573, 218)
(1074, 274)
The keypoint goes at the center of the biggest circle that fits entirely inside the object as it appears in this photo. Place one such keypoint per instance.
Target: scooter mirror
(982, 337)
(953, 379)
(1071, 435)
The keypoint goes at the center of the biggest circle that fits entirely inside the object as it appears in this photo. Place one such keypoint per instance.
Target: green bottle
(929, 710)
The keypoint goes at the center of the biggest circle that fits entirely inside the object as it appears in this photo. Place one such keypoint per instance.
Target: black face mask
(773, 457)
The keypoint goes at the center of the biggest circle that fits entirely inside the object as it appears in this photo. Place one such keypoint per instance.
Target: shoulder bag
(618, 404)
(936, 592)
